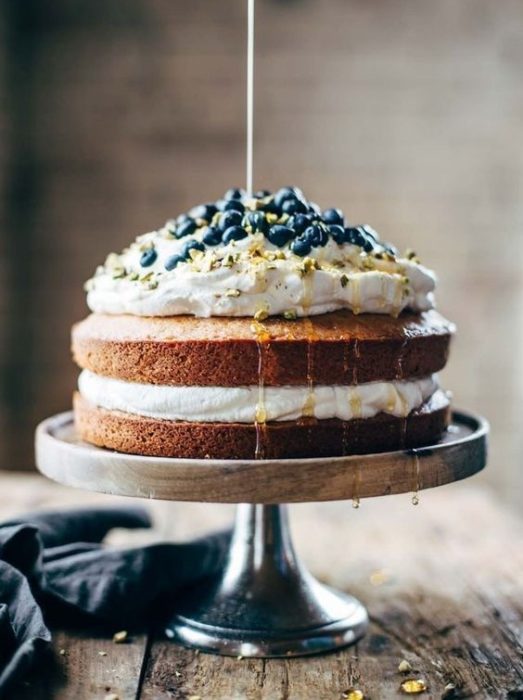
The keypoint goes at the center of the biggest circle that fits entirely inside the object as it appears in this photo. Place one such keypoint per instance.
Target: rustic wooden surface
(62, 456)
(443, 582)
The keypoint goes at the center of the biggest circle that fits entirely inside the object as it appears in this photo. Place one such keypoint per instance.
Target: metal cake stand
(264, 603)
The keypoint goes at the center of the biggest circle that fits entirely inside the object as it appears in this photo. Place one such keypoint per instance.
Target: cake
(261, 327)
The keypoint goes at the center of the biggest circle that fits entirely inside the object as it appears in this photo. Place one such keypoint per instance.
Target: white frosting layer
(250, 276)
(240, 404)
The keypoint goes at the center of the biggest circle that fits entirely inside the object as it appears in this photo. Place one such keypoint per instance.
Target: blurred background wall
(116, 115)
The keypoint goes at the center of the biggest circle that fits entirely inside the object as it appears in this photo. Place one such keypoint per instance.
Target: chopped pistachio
(308, 265)
(344, 280)
(261, 314)
(290, 315)
(232, 293)
(228, 260)
(404, 666)
(271, 218)
(353, 694)
(120, 637)
(413, 686)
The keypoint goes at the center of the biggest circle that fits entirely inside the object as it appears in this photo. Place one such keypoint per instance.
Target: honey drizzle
(355, 361)
(356, 295)
(416, 478)
(262, 337)
(310, 401)
(355, 402)
(346, 368)
(356, 486)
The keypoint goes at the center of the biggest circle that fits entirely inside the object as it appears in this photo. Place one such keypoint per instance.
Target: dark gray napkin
(53, 564)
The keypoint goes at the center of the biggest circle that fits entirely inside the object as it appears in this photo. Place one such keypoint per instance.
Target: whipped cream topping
(241, 404)
(253, 276)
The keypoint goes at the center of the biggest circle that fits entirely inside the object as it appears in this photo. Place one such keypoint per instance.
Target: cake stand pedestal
(264, 603)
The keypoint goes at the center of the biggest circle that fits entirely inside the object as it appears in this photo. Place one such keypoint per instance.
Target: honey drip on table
(260, 417)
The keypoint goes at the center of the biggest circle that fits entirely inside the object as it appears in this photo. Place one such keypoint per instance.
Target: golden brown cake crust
(334, 348)
(133, 434)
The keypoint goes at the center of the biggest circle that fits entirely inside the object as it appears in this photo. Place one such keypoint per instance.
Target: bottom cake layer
(306, 437)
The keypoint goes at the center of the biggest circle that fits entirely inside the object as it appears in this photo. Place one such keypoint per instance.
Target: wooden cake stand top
(61, 456)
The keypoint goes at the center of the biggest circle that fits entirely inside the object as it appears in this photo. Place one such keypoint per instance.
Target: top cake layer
(260, 256)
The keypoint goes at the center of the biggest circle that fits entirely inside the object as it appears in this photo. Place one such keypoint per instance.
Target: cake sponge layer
(133, 434)
(334, 348)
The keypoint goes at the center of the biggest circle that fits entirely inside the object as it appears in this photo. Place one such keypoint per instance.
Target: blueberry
(233, 205)
(234, 233)
(317, 235)
(185, 228)
(261, 194)
(189, 245)
(234, 193)
(173, 261)
(211, 236)
(293, 206)
(301, 246)
(228, 219)
(357, 236)
(338, 233)
(333, 216)
(299, 222)
(204, 211)
(148, 257)
(271, 207)
(370, 232)
(287, 193)
(280, 235)
(257, 221)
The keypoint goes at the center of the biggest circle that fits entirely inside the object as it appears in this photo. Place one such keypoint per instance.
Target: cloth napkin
(53, 566)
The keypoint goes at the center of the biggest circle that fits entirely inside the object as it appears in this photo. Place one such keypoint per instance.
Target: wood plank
(88, 666)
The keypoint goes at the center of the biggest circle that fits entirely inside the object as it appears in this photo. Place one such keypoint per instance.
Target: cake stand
(264, 603)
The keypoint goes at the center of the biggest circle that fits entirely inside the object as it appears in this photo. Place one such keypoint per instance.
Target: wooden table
(443, 582)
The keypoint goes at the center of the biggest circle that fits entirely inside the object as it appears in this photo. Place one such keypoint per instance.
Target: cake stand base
(265, 603)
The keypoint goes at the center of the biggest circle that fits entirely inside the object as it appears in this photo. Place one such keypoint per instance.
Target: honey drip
(355, 361)
(260, 417)
(355, 402)
(356, 295)
(415, 478)
(310, 401)
(356, 487)
(391, 400)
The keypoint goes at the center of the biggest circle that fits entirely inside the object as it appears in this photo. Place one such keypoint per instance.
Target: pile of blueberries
(305, 228)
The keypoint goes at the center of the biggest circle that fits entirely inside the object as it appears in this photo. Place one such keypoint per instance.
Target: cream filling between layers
(239, 404)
